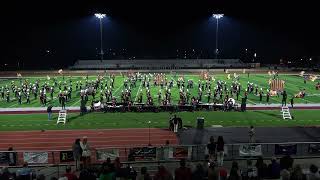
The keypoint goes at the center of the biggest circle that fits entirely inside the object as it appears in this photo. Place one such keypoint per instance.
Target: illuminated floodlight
(99, 15)
(217, 16)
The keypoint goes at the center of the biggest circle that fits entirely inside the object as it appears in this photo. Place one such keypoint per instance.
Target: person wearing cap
(86, 154)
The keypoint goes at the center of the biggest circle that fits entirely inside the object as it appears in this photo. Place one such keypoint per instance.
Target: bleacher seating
(159, 64)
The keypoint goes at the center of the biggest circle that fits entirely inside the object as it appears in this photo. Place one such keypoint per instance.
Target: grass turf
(99, 120)
(293, 85)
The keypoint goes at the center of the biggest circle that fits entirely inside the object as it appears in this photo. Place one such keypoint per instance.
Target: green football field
(99, 120)
(294, 84)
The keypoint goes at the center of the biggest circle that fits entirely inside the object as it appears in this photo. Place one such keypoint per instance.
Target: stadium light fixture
(217, 17)
(100, 16)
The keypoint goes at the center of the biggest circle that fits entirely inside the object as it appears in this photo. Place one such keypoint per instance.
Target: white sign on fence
(250, 150)
(35, 157)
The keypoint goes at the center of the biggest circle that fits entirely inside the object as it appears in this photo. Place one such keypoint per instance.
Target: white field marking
(248, 100)
(313, 95)
(308, 100)
(118, 89)
(13, 105)
(135, 99)
(76, 102)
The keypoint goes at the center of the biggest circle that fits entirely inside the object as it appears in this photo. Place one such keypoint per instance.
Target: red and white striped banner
(277, 85)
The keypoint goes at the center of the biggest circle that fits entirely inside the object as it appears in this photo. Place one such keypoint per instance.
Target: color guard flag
(313, 78)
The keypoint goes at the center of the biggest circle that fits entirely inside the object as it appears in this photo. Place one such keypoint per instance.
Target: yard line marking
(135, 99)
(13, 105)
(75, 102)
(308, 100)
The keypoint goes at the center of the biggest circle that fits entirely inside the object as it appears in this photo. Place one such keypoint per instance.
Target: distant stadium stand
(159, 64)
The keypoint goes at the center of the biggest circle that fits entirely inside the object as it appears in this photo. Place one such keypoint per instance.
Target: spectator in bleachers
(262, 168)
(87, 174)
(117, 164)
(223, 174)
(274, 169)
(212, 149)
(220, 151)
(25, 172)
(183, 172)
(213, 172)
(162, 174)
(314, 173)
(297, 173)
(69, 174)
(285, 174)
(144, 174)
(235, 173)
(107, 173)
(286, 162)
(77, 152)
(5, 174)
(206, 163)
(107, 162)
(199, 173)
(41, 177)
(250, 172)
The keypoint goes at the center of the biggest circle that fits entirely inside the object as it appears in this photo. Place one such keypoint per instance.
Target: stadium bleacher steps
(62, 118)
(285, 112)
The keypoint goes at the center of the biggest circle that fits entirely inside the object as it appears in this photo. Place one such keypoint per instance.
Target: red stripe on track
(63, 140)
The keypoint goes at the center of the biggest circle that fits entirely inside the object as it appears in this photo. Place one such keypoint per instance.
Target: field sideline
(99, 120)
(293, 85)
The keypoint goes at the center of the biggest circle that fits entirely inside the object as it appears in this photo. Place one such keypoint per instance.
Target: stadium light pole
(100, 17)
(217, 17)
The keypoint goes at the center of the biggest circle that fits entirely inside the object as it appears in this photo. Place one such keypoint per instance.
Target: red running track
(63, 140)
(101, 138)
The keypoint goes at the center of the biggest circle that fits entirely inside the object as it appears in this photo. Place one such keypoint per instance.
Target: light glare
(217, 16)
(99, 15)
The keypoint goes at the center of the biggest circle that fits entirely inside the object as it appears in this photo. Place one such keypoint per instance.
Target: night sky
(46, 35)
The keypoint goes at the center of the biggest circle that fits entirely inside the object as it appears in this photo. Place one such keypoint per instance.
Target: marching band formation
(102, 89)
